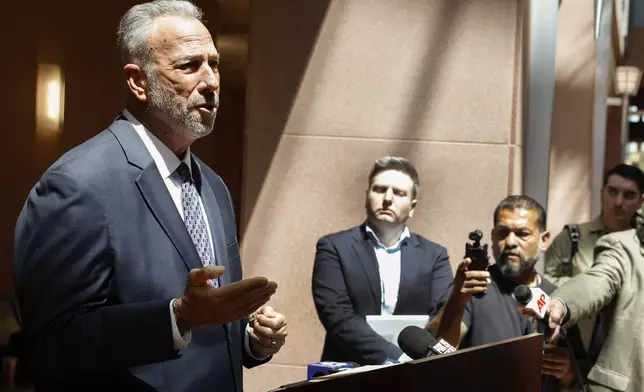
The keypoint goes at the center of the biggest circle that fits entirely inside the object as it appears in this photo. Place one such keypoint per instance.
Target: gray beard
(165, 101)
(508, 270)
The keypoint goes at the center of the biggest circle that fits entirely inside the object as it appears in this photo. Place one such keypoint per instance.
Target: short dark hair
(400, 164)
(629, 172)
(515, 202)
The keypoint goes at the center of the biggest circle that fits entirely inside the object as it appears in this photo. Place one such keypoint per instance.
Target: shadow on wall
(425, 92)
(271, 113)
(430, 70)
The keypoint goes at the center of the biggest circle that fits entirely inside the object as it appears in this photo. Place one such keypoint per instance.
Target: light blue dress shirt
(389, 259)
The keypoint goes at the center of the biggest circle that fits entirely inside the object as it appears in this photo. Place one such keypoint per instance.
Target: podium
(512, 365)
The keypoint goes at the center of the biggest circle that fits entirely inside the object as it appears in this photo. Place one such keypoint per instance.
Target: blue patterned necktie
(194, 219)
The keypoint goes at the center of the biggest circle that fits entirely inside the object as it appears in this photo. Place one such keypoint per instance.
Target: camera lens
(476, 235)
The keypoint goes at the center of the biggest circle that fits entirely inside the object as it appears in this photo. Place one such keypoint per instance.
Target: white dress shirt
(167, 163)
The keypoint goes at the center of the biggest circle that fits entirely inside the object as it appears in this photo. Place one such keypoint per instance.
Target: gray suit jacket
(614, 286)
(100, 251)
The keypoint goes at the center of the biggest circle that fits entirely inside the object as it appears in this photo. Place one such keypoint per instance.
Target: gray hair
(137, 23)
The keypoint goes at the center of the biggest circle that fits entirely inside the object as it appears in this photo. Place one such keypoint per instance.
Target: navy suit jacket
(346, 288)
(100, 251)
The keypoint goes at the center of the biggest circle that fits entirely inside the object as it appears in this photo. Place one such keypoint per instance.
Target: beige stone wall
(332, 85)
(571, 153)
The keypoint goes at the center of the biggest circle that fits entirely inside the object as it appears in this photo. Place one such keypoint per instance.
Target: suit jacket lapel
(155, 193)
(214, 220)
(367, 257)
(411, 258)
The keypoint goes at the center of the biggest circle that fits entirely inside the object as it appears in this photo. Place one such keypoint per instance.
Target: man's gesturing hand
(556, 312)
(202, 304)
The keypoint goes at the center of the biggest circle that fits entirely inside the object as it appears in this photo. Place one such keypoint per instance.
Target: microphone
(317, 369)
(535, 302)
(324, 368)
(418, 343)
(389, 361)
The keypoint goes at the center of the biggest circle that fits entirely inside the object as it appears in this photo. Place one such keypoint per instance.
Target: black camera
(477, 253)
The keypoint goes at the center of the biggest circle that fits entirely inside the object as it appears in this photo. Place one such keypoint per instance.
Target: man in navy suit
(377, 268)
(127, 263)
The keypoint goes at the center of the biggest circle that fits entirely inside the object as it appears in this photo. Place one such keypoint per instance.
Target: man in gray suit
(612, 286)
(127, 263)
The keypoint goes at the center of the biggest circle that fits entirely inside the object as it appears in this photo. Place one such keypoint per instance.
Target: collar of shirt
(166, 161)
(597, 225)
(391, 249)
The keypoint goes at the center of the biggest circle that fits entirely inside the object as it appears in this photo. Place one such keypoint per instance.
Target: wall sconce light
(628, 80)
(50, 100)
